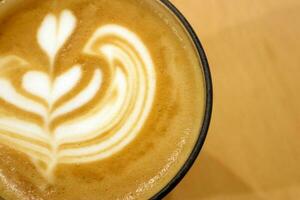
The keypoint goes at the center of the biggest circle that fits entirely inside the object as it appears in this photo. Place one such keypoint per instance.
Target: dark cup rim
(208, 105)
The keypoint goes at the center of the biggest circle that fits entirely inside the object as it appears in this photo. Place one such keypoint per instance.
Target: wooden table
(253, 147)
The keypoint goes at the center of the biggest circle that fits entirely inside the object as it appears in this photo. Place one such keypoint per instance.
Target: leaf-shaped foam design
(64, 83)
(27, 129)
(72, 117)
(61, 85)
(9, 94)
(83, 97)
(42, 89)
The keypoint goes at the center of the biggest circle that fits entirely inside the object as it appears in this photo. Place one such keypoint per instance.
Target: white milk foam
(123, 109)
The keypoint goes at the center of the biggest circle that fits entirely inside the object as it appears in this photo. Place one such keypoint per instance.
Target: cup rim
(208, 105)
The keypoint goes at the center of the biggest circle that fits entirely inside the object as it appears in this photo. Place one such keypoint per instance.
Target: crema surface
(98, 99)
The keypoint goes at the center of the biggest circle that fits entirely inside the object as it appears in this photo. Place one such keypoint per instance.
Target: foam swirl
(84, 114)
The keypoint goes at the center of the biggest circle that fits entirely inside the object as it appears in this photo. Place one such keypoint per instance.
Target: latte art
(99, 99)
(116, 98)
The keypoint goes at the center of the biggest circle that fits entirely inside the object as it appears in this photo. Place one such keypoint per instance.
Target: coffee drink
(98, 99)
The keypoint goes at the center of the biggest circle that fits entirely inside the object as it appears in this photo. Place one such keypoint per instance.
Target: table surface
(253, 146)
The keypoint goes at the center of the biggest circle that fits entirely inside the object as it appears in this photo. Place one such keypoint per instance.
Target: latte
(98, 99)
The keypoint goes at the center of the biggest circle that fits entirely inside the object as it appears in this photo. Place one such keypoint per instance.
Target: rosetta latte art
(113, 114)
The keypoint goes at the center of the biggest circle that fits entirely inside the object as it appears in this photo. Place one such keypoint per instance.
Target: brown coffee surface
(167, 135)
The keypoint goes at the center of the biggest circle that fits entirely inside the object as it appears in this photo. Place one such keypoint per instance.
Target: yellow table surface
(253, 146)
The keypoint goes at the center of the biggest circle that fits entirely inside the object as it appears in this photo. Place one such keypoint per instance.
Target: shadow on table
(209, 178)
